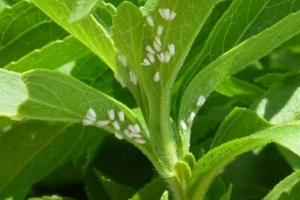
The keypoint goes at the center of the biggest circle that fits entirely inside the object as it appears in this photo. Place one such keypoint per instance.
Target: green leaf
(24, 28)
(152, 190)
(240, 90)
(37, 148)
(183, 175)
(281, 103)
(289, 187)
(239, 123)
(64, 99)
(87, 30)
(12, 92)
(94, 72)
(236, 59)
(165, 196)
(116, 191)
(82, 8)
(54, 197)
(226, 35)
(51, 56)
(211, 163)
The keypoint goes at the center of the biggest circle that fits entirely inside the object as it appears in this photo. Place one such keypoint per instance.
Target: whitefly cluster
(155, 50)
(183, 124)
(114, 119)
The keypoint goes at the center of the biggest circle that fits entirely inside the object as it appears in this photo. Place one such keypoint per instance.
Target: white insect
(111, 114)
(150, 21)
(151, 57)
(101, 123)
(171, 48)
(135, 135)
(172, 15)
(121, 116)
(201, 100)
(156, 77)
(137, 128)
(167, 57)
(161, 57)
(156, 46)
(139, 141)
(166, 13)
(133, 77)
(128, 133)
(87, 122)
(120, 80)
(119, 136)
(158, 41)
(159, 30)
(183, 125)
(91, 115)
(191, 118)
(149, 49)
(132, 129)
(123, 60)
(116, 125)
(145, 62)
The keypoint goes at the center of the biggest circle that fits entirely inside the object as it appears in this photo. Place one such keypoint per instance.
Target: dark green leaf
(24, 28)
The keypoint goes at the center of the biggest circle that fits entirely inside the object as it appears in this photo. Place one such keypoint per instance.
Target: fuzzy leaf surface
(282, 102)
(82, 8)
(285, 187)
(87, 30)
(51, 56)
(24, 28)
(210, 164)
(12, 92)
(236, 59)
(31, 150)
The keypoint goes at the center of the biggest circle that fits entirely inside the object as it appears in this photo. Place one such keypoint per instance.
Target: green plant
(171, 55)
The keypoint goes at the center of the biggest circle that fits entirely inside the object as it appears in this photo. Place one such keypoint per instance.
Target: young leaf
(281, 103)
(226, 35)
(116, 191)
(205, 82)
(165, 196)
(37, 148)
(13, 92)
(239, 123)
(152, 190)
(51, 56)
(24, 28)
(285, 186)
(240, 90)
(87, 30)
(216, 159)
(82, 8)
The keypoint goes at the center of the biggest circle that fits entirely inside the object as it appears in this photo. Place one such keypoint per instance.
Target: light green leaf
(82, 8)
(37, 148)
(54, 197)
(240, 90)
(282, 102)
(87, 30)
(65, 99)
(251, 17)
(239, 123)
(165, 196)
(51, 56)
(152, 190)
(285, 186)
(236, 59)
(116, 191)
(54, 96)
(24, 28)
(12, 92)
(94, 72)
(210, 164)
